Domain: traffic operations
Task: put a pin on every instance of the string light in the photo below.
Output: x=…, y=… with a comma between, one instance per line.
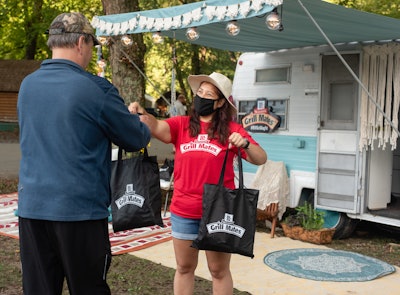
x=273, y=21
x=103, y=40
x=192, y=34
x=126, y=40
x=157, y=38
x=232, y=28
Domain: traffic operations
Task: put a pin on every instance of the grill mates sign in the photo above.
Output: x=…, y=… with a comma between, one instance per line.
x=261, y=119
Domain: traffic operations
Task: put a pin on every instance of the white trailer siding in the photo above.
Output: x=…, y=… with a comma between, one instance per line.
x=296, y=146
x=302, y=90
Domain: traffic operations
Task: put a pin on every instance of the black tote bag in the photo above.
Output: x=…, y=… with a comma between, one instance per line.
x=135, y=192
x=228, y=222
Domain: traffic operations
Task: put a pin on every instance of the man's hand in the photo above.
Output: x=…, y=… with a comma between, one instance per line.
x=136, y=108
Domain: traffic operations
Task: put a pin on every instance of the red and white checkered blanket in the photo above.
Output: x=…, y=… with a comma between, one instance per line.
x=121, y=242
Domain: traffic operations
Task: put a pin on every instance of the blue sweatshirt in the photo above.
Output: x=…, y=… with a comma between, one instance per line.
x=68, y=119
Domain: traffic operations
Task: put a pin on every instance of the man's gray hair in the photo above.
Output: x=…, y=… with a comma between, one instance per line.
x=66, y=40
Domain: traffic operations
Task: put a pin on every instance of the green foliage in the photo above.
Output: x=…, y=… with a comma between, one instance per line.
x=20, y=19
x=306, y=217
x=159, y=64
x=384, y=7
x=23, y=25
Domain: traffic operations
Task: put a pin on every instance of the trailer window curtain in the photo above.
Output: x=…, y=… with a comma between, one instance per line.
x=381, y=76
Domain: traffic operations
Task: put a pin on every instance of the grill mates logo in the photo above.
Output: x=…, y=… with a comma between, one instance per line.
x=201, y=144
x=226, y=225
x=129, y=198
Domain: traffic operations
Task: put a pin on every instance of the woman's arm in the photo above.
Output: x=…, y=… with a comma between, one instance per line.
x=158, y=128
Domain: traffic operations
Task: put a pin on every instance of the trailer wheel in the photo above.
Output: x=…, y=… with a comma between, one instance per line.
x=344, y=226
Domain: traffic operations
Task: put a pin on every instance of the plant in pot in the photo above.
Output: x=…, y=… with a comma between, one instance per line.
x=307, y=225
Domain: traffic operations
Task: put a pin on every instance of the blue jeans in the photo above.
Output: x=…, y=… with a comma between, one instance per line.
x=184, y=228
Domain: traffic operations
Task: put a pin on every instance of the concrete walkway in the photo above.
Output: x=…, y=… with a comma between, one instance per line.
x=10, y=157
x=253, y=276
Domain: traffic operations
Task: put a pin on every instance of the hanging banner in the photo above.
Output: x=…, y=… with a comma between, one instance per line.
x=261, y=119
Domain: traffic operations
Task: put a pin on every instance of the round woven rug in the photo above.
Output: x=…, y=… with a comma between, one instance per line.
x=328, y=265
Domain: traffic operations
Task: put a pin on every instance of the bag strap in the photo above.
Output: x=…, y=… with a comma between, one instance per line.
x=221, y=177
x=241, y=184
x=119, y=165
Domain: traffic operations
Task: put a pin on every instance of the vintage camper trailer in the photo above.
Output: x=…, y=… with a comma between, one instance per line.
x=328, y=125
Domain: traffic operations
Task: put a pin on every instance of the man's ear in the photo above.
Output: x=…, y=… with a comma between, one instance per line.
x=81, y=42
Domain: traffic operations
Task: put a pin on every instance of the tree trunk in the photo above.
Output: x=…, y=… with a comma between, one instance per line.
x=195, y=59
x=128, y=80
x=31, y=33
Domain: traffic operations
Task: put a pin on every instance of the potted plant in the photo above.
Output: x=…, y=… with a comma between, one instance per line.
x=307, y=225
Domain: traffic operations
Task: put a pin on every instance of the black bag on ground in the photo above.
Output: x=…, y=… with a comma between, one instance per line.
x=228, y=222
x=135, y=192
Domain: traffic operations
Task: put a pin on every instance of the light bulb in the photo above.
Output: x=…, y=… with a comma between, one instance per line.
x=126, y=40
x=273, y=21
x=192, y=34
x=157, y=38
x=232, y=28
x=103, y=40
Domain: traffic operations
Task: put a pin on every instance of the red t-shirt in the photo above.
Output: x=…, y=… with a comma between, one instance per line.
x=198, y=160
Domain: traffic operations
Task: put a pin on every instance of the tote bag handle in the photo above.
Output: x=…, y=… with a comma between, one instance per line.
x=119, y=160
x=221, y=177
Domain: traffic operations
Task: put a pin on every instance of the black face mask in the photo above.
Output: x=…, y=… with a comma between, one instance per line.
x=203, y=106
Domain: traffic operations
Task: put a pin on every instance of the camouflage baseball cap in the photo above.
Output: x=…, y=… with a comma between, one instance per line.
x=72, y=22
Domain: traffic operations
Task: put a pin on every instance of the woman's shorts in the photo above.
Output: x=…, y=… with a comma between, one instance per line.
x=184, y=228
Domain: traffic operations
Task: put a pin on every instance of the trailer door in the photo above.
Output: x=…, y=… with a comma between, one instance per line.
x=337, y=137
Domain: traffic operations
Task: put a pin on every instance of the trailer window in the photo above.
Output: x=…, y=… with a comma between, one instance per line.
x=339, y=93
x=276, y=75
x=341, y=102
x=277, y=106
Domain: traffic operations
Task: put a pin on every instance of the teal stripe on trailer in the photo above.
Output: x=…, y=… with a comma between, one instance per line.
x=297, y=152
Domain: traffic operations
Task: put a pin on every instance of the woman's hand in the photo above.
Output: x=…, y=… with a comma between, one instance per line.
x=238, y=140
x=255, y=154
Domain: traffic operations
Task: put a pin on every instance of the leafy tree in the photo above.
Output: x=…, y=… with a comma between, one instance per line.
x=384, y=7
x=23, y=25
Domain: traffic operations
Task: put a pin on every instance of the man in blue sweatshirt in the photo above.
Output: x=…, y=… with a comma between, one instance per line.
x=68, y=119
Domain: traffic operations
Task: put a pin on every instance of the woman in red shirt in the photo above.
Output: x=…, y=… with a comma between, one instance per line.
x=201, y=140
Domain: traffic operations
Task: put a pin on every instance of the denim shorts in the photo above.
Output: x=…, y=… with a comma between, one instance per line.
x=184, y=228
